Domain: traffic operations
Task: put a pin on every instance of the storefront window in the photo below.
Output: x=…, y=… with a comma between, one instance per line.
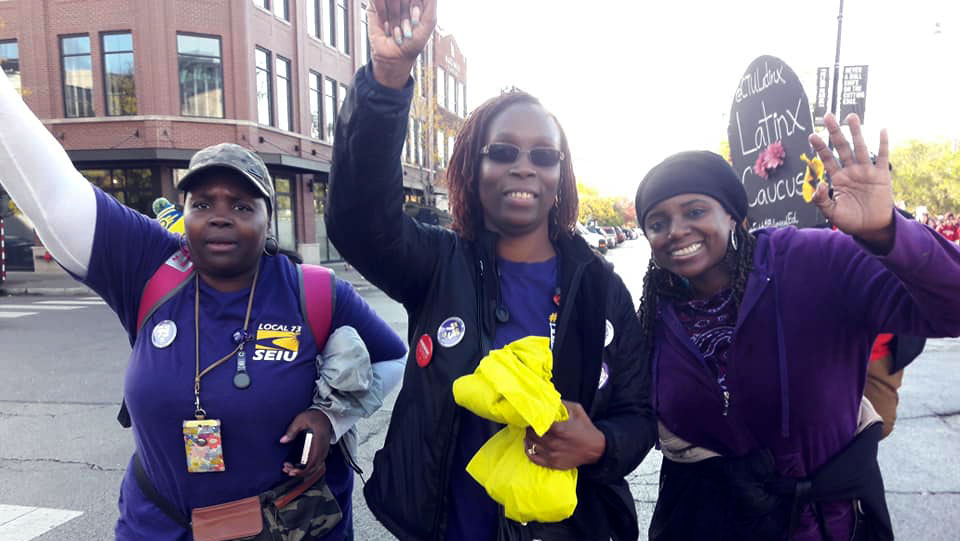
x=135, y=188
x=284, y=225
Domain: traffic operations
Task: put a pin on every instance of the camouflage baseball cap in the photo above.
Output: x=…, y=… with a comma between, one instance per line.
x=235, y=157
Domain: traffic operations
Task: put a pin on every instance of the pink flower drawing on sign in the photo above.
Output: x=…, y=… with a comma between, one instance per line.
x=769, y=159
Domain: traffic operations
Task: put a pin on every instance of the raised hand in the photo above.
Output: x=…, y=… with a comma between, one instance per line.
x=862, y=203
x=399, y=30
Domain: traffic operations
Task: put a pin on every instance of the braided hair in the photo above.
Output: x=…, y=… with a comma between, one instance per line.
x=660, y=283
x=463, y=171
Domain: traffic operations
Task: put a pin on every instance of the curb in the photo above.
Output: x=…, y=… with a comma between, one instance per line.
x=46, y=291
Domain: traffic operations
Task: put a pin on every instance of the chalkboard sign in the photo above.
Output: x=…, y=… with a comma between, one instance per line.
x=853, y=93
x=769, y=106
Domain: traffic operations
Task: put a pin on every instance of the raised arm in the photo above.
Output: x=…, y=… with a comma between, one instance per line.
x=41, y=179
x=364, y=214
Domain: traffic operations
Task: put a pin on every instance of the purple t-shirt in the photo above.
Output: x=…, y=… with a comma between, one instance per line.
x=158, y=389
x=527, y=291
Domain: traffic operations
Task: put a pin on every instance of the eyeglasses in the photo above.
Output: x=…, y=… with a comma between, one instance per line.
x=507, y=153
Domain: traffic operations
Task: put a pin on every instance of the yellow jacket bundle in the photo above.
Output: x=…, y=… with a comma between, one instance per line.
x=513, y=386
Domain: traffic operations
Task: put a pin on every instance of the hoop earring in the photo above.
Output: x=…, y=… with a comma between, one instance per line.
x=733, y=238
x=271, y=246
x=653, y=261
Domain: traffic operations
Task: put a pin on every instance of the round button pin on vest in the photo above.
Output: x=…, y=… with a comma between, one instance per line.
x=424, y=350
x=163, y=334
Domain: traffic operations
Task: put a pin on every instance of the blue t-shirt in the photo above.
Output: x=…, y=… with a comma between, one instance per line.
x=527, y=291
x=158, y=389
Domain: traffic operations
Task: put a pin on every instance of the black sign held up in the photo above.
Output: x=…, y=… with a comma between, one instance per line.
x=853, y=93
x=770, y=107
x=823, y=86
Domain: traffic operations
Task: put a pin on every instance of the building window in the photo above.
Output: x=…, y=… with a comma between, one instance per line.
x=10, y=62
x=455, y=87
x=418, y=141
x=201, y=76
x=364, y=34
x=342, y=95
x=451, y=141
x=281, y=8
x=313, y=18
x=284, y=98
x=328, y=22
x=441, y=87
x=343, y=26
x=329, y=106
x=262, y=4
x=316, y=98
x=77, y=76
x=408, y=145
x=135, y=188
x=264, y=89
x=120, y=89
x=284, y=225
x=463, y=100
x=327, y=250
x=438, y=142
x=451, y=93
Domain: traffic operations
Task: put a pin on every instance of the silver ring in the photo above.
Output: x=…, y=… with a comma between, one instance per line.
x=532, y=450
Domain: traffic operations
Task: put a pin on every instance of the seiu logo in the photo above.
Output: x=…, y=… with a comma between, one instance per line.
x=277, y=342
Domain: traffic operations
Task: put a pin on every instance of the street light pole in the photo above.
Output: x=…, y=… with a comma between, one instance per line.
x=836, y=70
x=836, y=62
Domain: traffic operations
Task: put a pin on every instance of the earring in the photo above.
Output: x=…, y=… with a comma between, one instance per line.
x=271, y=246
x=733, y=239
x=183, y=245
x=653, y=261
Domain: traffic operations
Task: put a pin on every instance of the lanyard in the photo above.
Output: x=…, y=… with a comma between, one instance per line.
x=199, y=412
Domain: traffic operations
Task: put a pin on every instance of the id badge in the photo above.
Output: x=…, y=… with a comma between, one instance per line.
x=204, y=446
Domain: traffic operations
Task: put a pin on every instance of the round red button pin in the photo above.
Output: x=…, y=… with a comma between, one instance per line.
x=424, y=350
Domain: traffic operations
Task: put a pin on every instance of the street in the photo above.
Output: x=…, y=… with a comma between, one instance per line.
x=62, y=453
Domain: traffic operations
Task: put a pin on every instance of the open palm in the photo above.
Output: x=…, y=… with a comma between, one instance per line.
x=862, y=202
x=399, y=31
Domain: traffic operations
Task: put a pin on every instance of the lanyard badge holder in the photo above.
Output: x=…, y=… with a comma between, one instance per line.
x=202, y=437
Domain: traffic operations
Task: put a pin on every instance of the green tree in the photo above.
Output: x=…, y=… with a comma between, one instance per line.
x=597, y=208
x=927, y=174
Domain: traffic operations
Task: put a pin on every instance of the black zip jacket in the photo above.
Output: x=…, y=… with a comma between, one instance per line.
x=436, y=274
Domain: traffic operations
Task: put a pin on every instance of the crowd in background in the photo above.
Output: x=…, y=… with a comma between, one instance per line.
x=946, y=225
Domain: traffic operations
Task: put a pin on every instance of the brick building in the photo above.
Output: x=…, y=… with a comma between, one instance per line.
x=132, y=88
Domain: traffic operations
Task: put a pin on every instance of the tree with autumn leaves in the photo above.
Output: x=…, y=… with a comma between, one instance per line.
x=605, y=210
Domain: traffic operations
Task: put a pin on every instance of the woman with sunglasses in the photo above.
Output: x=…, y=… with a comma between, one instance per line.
x=510, y=268
x=221, y=345
x=759, y=344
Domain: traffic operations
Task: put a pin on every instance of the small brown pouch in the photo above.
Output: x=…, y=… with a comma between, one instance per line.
x=232, y=520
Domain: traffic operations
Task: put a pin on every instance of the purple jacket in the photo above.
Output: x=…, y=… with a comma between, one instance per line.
x=813, y=305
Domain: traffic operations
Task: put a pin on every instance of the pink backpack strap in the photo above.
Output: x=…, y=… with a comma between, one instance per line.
x=317, y=284
x=168, y=279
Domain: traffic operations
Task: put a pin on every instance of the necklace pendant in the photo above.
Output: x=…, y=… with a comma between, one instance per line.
x=241, y=380
x=726, y=403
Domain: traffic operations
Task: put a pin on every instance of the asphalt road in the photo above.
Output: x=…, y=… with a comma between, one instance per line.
x=61, y=371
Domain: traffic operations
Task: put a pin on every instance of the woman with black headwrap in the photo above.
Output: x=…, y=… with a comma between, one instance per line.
x=759, y=344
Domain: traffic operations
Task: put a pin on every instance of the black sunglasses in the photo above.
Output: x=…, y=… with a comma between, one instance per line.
x=507, y=153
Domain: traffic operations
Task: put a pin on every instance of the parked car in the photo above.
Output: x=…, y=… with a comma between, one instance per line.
x=596, y=241
x=19, y=253
x=612, y=235
x=621, y=236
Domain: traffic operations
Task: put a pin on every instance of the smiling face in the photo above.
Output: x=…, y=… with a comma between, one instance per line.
x=688, y=235
x=226, y=225
x=517, y=197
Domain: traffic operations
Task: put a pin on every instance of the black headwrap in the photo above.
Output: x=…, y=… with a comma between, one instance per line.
x=696, y=171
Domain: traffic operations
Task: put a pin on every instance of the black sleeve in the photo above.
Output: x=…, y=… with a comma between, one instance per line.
x=628, y=422
x=364, y=213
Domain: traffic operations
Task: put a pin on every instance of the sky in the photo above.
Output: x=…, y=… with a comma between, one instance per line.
x=633, y=82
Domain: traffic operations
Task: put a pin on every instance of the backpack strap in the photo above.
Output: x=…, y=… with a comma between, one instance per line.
x=168, y=279
x=317, y=284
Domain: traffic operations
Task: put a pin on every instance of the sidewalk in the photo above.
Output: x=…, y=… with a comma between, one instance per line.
x=61, y=284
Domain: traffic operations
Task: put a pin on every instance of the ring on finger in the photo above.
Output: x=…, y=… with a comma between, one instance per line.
x=532, y=450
